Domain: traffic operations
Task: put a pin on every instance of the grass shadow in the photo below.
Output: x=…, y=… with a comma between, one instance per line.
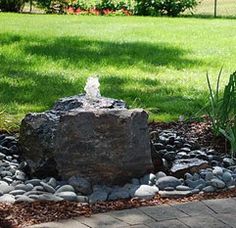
x=83, y=53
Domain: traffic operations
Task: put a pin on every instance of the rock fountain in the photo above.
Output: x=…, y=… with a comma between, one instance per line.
x=87, y=136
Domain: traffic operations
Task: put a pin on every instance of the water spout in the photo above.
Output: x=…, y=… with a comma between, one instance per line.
x=92, y=88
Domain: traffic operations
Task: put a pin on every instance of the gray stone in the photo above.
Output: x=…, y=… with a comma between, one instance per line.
x=209, y=189
x=227, y=177
x=98, y=196
x=183, y=188
x=217, y=183
x=228, y=162
x=34, y=182
x=174, y=194
x=25, y=187
x=168, y=181
x=106, y=142
x=17, y=192
x=69, y=196
x=118, y=193
x=47, y=187
x=6, y=188
x=146, y=192
x=209, y=176
x=82, y=199
x=38, y=188
x=19, y=175
x=49, y=197
x=81, y=185
x=65, y=188
x=7, y=198
x=52, y=182
x=194, y=184
x=160, y=174
x=23, y=198
x=148, y=179
x=218, y=171
x=191, y=165
x=169, y=189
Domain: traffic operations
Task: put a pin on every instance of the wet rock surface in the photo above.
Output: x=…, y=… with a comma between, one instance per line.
x=108, y=142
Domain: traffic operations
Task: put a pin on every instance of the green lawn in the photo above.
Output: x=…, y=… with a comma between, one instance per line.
x=155, y=63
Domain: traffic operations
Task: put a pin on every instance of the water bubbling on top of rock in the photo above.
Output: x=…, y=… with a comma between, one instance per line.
x=92, y=99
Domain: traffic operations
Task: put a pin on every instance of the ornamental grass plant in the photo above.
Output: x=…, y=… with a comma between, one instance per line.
x=222, y=110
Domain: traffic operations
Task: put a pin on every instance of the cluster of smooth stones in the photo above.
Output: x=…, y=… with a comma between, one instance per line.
x=220, y=174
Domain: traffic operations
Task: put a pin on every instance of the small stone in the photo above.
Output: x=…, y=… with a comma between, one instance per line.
x=98, y=196
x=228, y=162
x=196, y=176
x=195, y=191
x=65, y=188
x=80, y=185
x=188, y=176
x=170, y=156
x=227, y=177
x=8, y=179
x=34, y=182
x=209, y=176
x=19, y=175
x=215, y=182
x=170, y=147
x=52, y=182
x=118, y=193
x=160, y=174
x=185, y=149
x=2, y=155
x=174, y=194
x=25, y=187
x=169, y=189
x=82, y=199
x=17, y=192
x=38, y=188
x=209, y=189
x=148, y=178
x=218, y=171
x=47, y=187
x=6, y=188
x=7, y=198
x=146, y=192
x=69, y=196
x=194, y=184
x=49, y=197
x=23, y=198
x=183, y=188
x=168, y=181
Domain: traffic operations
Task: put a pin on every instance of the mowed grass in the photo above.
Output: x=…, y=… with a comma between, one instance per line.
x=159, y=64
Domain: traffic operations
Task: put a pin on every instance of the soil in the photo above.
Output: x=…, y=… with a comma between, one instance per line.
x=23, y=214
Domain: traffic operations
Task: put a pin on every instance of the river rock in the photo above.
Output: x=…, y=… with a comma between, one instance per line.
x=217, y=183
x=7, y=198
x=168, y=181
x=80, y=185
x=146, y=192
x=69, y=196
x=191, y=165
x=98, y=139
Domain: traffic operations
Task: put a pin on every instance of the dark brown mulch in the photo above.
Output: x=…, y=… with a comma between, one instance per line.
x=23, y=214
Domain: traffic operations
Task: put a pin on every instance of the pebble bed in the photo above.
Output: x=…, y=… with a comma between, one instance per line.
x=220, y=174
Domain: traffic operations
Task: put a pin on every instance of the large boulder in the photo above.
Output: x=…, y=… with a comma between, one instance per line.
x=97, y=139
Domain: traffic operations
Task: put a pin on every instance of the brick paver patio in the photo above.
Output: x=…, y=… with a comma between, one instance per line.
x=217, y=213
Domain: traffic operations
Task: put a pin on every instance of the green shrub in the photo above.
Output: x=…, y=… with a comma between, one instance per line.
x=222, y=110
x=53, y=6
x=11, y=5
x=163, y=7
